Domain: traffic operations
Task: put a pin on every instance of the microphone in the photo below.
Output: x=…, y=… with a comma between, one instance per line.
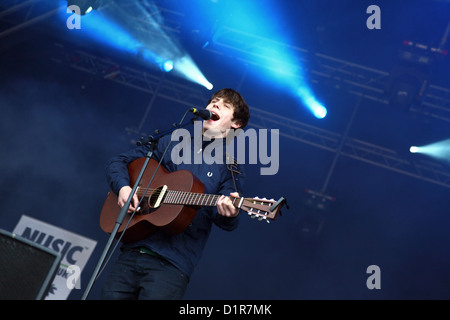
x=205, y=114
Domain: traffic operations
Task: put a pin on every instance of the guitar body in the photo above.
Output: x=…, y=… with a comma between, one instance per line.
x=171, y=218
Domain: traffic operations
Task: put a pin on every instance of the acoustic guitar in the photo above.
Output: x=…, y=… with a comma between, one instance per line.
x=171, y=202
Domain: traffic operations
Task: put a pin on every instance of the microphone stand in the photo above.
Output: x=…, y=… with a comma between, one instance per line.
x=151, y=141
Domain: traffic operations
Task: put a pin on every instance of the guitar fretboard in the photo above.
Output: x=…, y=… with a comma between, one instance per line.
x=190, y=198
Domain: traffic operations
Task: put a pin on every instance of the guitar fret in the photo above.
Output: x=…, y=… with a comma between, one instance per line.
x=197, y=198
x=166, y=198
x=186, y=197
x=208, y=199
x=203, y=198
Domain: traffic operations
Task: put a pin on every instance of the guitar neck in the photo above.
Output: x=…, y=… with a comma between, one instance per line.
x=254, y=206
x=195, y=199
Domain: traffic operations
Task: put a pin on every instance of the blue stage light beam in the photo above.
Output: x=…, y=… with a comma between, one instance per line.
x=187, y=68
x=258, y=34
x=167, y=65
x=439, y=150
x=308, y=99
x=115, y=28
x=164, y=64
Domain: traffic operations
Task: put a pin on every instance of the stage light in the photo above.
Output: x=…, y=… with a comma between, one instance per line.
x=405, y=90
x=439, y=150
x=251, y=35
x=187, y=69
x=167, y=66
x=318, y=110
x=148, y=56
x=308, y=99
x=414, y=149
x=117, y=29
x=408, y=80
x=85, y=6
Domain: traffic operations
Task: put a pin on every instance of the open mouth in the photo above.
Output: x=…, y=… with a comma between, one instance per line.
x=215, y=116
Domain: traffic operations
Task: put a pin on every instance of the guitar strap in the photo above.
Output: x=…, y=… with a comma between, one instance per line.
x=233, y=167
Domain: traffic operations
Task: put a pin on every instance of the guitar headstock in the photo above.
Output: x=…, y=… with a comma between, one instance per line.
x=263, y=209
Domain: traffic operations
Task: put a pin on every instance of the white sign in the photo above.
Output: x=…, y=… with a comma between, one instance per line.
x=74, y=249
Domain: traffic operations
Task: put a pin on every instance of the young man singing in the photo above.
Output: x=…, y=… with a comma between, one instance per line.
x=159, y=266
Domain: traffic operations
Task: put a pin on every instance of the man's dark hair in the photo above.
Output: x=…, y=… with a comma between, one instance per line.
x=241, y=111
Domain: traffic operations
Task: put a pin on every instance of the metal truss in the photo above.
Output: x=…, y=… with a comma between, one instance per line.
x=22, y=14
x=138, y=78
x=359, y=80
x=190, y=95
x=353, y=148
x=362, y=81
x=370, y=84
x=356, y=79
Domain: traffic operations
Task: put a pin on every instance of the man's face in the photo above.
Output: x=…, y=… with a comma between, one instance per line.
x=222, y=118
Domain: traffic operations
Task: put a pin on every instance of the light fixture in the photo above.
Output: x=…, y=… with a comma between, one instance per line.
x=85, y=6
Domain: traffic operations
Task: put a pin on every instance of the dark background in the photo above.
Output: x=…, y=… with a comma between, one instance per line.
x=60, y=125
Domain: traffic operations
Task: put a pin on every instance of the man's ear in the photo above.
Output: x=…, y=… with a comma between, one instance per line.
x=236, y=125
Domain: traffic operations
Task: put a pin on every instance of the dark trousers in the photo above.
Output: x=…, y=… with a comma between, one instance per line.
x=141, y=276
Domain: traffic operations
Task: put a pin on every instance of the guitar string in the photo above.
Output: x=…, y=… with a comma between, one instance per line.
x=187, y=193
x=193, y=198
x=181, y=197
x=177, y=196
